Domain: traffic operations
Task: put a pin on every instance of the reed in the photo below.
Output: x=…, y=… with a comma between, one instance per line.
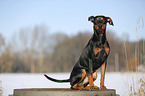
x=1, y=91
x=136, y=85
x=138, y=88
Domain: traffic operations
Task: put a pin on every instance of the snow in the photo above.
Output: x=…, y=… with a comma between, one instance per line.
x=119, y=81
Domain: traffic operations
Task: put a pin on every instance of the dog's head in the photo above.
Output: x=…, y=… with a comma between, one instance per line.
x=100, y=23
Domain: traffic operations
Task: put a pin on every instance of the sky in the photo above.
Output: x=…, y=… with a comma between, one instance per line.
x=71, y=16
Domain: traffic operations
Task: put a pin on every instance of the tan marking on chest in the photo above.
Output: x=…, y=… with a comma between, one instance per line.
x=107, y=50
x=97, y=50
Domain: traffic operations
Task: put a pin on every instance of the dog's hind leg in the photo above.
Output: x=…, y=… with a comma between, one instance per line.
x=79, y=85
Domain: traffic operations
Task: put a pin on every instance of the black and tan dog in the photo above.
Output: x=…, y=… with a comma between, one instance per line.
x=93, y=57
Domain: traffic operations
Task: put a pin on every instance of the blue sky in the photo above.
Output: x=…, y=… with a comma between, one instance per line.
x=70, y=17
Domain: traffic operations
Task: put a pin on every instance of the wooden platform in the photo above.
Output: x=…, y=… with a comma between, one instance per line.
x=62, y=92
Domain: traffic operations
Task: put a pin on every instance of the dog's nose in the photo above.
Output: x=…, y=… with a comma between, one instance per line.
x=99, y=25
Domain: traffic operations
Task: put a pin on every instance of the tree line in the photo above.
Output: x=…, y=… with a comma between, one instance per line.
x=37, y=50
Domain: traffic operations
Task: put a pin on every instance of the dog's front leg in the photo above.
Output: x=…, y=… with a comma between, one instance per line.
x=103, y=68
x=90, y=75
x=91, y=84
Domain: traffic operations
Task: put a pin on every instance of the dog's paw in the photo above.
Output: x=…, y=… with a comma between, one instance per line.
x=96, y=87
x=91, y=87
x=103, y=87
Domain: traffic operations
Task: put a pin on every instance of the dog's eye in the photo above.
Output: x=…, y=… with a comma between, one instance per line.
x=97, y=19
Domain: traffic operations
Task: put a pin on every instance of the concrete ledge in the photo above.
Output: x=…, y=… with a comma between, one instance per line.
x=62, y=92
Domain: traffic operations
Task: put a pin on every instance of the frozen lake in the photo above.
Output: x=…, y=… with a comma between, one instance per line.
x=119, y=81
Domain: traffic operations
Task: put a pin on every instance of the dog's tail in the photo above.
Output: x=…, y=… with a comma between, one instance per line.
x=55, y=80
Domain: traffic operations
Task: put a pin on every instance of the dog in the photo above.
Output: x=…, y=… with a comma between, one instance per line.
x=93, y=57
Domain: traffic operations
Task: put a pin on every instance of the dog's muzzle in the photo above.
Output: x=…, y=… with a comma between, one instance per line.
x=100, y=31
x=100, y=28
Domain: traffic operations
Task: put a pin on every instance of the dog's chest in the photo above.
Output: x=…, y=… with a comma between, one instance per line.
x=104, y=50
x=99, y=57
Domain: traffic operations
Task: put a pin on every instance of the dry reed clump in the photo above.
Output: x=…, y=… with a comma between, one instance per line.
x=1, y=91
x=140, y=91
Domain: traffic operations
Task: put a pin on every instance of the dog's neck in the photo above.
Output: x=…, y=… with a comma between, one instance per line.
x=99, y=38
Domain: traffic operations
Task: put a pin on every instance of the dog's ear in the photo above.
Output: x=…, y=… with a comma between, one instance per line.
x=110, y=21
x=91, y=18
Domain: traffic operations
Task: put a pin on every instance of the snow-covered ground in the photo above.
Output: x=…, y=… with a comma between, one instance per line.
x=119, y=81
